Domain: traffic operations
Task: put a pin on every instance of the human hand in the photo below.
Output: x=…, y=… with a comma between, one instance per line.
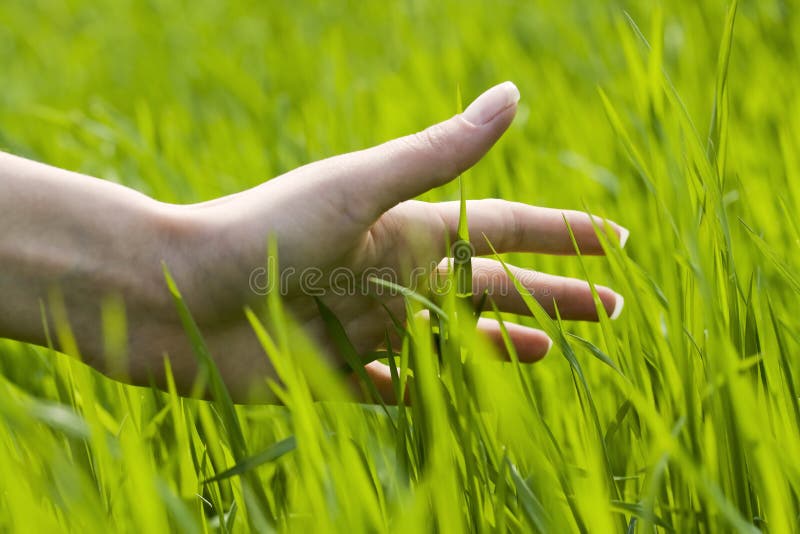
x=337, y=219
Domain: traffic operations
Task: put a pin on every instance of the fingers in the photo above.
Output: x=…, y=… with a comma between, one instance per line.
x=371, y=181
x=572, y=296
x=530, y=344
x=381, y=376
x=517, y=227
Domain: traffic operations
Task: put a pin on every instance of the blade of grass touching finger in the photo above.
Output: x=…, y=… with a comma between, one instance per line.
x=410, y=294
x=462, y=251
x=599, y=307
x=555, y=331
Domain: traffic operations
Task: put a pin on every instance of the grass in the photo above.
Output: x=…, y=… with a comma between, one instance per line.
x=680, y=120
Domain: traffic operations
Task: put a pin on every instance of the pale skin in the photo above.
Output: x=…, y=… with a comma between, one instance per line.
x=90, y=239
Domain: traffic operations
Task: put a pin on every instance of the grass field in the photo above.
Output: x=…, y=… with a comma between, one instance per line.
x=677, y=119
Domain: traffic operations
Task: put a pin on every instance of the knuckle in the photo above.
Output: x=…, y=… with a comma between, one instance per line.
x=514, y=229
x=528, y=279
x=435, y=138
x=443, y=145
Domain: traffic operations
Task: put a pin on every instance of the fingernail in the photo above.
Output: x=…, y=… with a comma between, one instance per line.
x=624, y=234
x=619, y=303
x=549, y=346
x=487, y=106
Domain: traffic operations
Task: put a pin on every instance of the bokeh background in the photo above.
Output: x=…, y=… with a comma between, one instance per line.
x=629, y=110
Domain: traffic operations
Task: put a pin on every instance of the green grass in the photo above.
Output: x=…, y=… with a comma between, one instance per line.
x=674, y=119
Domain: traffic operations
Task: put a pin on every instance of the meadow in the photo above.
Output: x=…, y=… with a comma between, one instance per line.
x=678, y=119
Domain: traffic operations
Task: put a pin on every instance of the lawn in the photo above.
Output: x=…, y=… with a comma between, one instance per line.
x=679, y=120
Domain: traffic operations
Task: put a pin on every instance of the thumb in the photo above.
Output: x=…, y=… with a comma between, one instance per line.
x=378, y=178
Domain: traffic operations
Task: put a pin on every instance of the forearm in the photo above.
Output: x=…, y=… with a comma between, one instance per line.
x=79, y=237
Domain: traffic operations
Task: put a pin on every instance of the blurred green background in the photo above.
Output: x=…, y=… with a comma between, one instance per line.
x=187, y=101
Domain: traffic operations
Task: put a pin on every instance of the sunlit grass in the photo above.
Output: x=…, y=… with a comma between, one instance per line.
x=680, y=121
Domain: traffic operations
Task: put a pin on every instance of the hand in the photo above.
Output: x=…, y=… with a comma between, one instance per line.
x=341, y=217
x=336, y=219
